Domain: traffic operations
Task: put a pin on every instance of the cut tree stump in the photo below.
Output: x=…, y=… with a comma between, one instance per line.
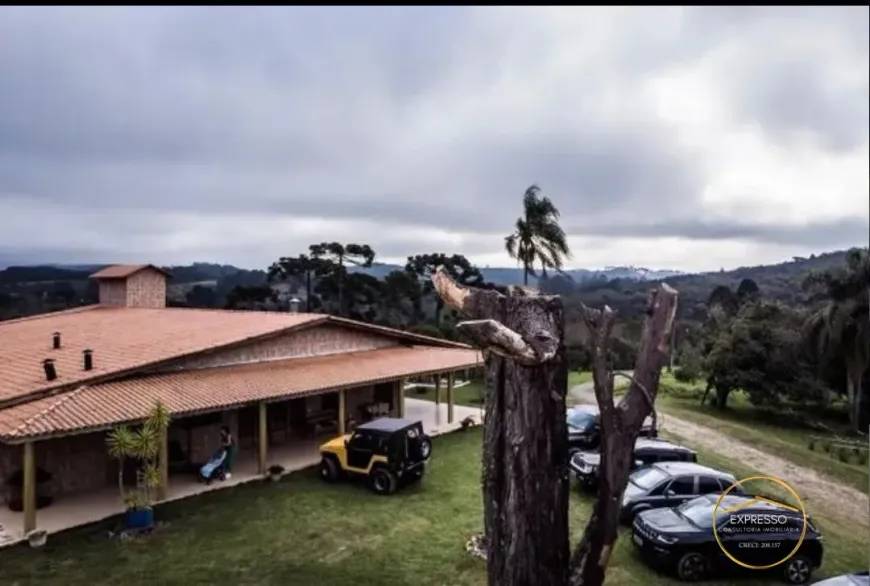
x=525, y=451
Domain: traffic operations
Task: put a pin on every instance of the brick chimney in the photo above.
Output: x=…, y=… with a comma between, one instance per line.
x=132, y=286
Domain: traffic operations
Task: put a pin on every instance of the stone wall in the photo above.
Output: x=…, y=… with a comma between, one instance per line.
x=356, y=397
x=200, y=437
x=315, y=341
x=146, y=288
x=76, y=463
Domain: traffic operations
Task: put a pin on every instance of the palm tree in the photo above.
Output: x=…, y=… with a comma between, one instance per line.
x=538, y=238
x=840, y=330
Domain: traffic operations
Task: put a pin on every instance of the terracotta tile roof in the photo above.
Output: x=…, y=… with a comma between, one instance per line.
x=122, y=339
x=123, y=271
x=189, y=392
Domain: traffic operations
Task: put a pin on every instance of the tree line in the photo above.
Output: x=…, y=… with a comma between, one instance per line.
x=804, y=357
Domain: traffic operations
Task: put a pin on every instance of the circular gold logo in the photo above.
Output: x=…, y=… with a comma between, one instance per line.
x=758, y=524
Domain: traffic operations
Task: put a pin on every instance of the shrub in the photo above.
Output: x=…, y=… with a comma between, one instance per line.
x=843, y=454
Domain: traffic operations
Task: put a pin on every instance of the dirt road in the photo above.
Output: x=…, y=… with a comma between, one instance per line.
x=836, y=500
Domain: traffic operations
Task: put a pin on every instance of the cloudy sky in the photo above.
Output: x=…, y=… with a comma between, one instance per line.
x=668, y=137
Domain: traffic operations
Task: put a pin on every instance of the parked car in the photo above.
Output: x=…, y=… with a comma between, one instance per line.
x=584, y=432
x=856, y=579
x=681, y=538
x=647, y=451
x=385, y=452
x=668, y=484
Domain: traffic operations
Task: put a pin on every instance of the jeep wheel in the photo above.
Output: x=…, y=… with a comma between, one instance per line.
x=383, y=482
x=797, y=570
x=424, y=448
x=691, y=567
x=329, y=469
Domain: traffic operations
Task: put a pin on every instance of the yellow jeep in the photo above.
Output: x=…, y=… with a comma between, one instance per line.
x=386, y=452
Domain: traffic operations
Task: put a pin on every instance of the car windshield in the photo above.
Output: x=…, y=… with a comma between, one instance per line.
x=580, y=419
x=698, y=512
x=648, y=478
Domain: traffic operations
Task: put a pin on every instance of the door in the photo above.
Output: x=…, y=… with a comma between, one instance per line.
x=681, y=489
x=360, y=449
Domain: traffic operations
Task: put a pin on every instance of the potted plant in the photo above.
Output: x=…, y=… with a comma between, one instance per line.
x=275, y=473
x=143, y=445
x=37, y=537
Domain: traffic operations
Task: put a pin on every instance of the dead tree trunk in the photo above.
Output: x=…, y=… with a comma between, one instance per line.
x=620, y=425
x=525, y=452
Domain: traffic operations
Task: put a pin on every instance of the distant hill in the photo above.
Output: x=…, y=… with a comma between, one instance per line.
x=26, y=290
x=514, y=275
x=780, y=281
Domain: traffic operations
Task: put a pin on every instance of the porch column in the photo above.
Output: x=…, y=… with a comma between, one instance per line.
x=342, y=412
x=400, y=398
x=263, y=443
x=437, y=392
x=163, y=463
x=29, y=492
x=451, y=376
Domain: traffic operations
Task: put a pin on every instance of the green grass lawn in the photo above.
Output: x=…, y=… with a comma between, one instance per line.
x=579, y=378
x=746, y=423
x=303, y=532
x=471, y=395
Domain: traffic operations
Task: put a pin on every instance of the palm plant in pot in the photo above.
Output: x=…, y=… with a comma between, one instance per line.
x=142, y=445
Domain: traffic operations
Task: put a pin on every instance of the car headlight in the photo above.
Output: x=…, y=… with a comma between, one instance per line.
x=666, y=539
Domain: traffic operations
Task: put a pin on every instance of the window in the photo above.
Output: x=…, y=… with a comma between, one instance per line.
x=683, y=485
x=582, y=420
x=363, y=441
x=699, y=512
x=708, y=485
x=648, y=478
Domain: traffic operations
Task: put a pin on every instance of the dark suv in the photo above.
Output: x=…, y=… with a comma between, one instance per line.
x=386, y=452
x=668, y=484
x=584, y=432
x=585, y=464
x=756, y=532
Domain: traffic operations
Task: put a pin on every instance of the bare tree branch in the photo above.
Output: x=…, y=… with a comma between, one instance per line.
x=495, y=337
x=646, y=394
x=471, y=302
x=600, y=322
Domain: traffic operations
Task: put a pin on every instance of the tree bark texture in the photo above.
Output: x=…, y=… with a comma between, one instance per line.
x=525, y=452
x=620, y=425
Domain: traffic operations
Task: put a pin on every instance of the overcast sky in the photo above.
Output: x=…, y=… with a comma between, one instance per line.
x=686, y=138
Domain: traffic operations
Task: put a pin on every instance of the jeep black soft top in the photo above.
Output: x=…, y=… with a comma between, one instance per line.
x=388, y=425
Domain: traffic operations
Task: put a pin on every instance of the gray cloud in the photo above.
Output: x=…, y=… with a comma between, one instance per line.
x=122, y=119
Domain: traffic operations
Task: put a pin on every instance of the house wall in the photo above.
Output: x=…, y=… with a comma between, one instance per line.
x=315, y=341
x=146, y=288
x=113, y=292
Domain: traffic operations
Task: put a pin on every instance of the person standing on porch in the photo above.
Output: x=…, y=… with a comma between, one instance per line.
x=229, y=445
